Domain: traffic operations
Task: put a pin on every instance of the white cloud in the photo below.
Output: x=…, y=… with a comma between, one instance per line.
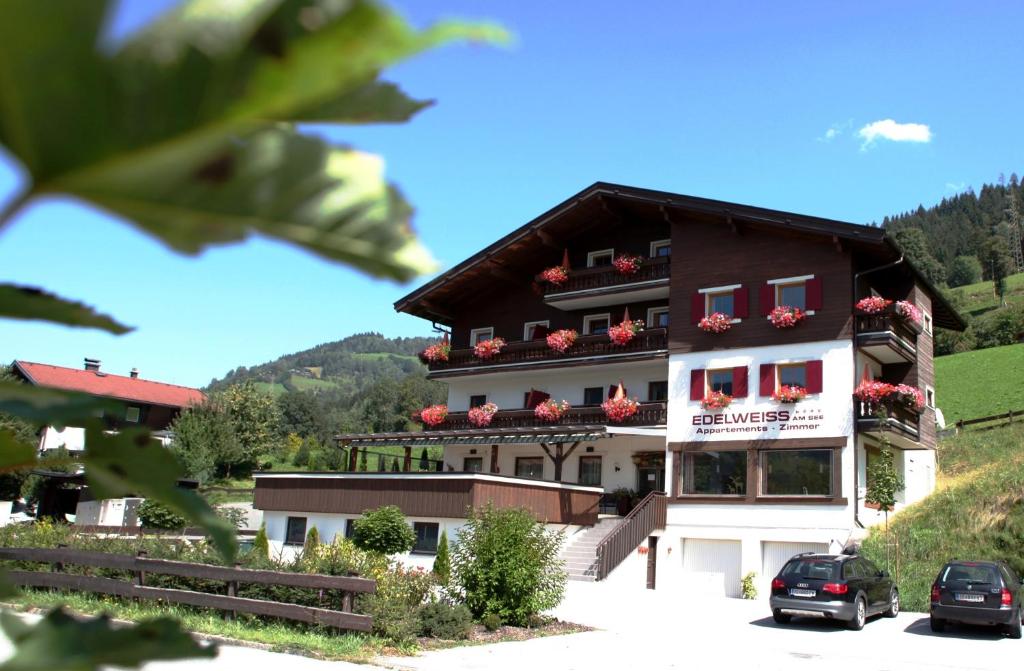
x=887, y=129
x=835, y=130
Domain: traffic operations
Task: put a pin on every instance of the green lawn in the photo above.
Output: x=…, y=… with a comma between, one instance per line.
x=383, y=355
x=980, y=383
x=980, y=297
x=976, y=512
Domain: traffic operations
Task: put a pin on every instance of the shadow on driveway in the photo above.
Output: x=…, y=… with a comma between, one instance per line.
x=805, y=623
x=922, y=627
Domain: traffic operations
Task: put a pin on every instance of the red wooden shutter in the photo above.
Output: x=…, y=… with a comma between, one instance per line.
x=741, y=303
x=814, y=381
x=813, y=297
x=697, y=384
x=739, y=382
x=697, y=308
x=767, y=299
x=767, y=379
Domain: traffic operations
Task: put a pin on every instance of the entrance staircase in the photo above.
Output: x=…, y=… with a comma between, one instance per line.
x=580, y=555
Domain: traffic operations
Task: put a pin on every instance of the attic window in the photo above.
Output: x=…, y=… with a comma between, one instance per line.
x=602, y=257
x=131, y=414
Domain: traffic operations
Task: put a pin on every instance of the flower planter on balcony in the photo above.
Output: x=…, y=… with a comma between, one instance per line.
x=588, y=287
x=887, y=336
x=648, y=414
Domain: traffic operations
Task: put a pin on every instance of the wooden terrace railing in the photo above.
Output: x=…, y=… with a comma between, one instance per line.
x=606, y=277
x=537, y=351
x=888, y=322
x=140, y=566
x=899, y=417
x=649, y=414
x=650, y=514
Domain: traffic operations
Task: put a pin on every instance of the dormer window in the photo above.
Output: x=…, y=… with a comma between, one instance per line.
x=477, y=335
x=599, y=258
x=660, y=248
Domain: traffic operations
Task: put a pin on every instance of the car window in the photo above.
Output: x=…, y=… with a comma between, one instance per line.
x=870, y=570
x=974, y=574
x=819, y=569
x=851, y=570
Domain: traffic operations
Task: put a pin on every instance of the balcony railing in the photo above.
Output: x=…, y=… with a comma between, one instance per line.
x=537, y=351
x=887, y=330
x=898, y=417
x=606, y=277
x=649, y=414
x=649, y=514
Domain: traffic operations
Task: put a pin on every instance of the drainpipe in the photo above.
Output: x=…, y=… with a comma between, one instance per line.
x=856, y=461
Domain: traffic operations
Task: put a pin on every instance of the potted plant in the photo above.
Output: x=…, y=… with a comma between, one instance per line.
x=627, y=264
x=873, y=305
x=485, y=349
x=625, y=331
x=556, y=275
x=619, y=409
x=551, y=410
x=482, y=415
x=562, y=339
x=625, y=500
x=715, y=400
x=784, y=316
x=436, y=352
x=434, y=415
x=789, y=394
x=909, y=313
x=716, y=322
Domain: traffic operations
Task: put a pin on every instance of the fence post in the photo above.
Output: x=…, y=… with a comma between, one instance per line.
x=140, y=575
x=232, y=591
x=346, y=602
x=57, y=567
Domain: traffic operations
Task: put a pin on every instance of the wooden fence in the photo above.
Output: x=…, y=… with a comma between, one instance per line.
x=141, y=565
x=650, y=514
x=990, y=422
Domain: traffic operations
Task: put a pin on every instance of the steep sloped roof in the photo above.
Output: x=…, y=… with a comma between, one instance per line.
x=118, y=387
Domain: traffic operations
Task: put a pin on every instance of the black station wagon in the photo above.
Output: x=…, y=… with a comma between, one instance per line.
x=836, y=587
x=977, y=592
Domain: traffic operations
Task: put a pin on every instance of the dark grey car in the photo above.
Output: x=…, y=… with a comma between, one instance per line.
x=977, y=592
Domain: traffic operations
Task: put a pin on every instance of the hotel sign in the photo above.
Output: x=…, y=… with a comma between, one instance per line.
x=747, y=423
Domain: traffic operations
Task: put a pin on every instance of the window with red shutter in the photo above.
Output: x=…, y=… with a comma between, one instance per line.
x=697, y=384
x=766, y=300
x=814, y=377
x=767, y=374
x=697, y=307
x=739, y=382
x=741, y=302
x=814, y=296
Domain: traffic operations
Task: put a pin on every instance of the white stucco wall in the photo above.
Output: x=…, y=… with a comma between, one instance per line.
x=70, y=438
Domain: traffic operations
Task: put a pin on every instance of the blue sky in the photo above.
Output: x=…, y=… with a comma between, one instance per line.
x=844, y=110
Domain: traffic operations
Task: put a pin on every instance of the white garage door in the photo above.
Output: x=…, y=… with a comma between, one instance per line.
x=711, y=566
x=775, y=554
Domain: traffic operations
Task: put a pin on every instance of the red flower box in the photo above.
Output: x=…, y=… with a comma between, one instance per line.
x=562, y=339
x=875, y=392
x=715, y=400
x=438, y=352
x=482, y=415
x=716, y=322
x=556, y=275
x=620, y=409
x=784, y=317
x=873, y=305
x=626, y=331
x=909, y=312
x=627, y=265
x=551, y=410
x=434, y=414
x=789, y=394
x=485, y=349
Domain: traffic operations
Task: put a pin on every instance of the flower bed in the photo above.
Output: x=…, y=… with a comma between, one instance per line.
x=873, y=305
x=485, y=349
x=784, y=317
x=789, y=394
x=482, y=415
x=437, y=352
x=716, y=322
x=875, y=392
x=551, y=410
x=909, y=312
x=715, y=400
x=627, y=265
x=620, y=409
x=562, y=339
x=434, y=414
x=626, y=331
x=556, y=275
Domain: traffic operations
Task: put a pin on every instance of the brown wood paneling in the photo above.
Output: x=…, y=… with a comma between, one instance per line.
x=709, y=254
x=548, y=504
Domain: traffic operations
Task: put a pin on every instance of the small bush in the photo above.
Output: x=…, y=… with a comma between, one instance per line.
x=155, y=515
x=506, y=564
x=536, y=621
x=441, y=620
x=236, y=516
x=491, y=621
x=312, y=540
x=748, y=586
x=383, y=530
x=442, y=561
x=261, y=544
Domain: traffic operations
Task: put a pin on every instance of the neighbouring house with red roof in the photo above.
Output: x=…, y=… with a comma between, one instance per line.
x=146, y=402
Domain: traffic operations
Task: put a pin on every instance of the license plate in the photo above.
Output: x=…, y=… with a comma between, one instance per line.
x=972, y=598
x=802, y=592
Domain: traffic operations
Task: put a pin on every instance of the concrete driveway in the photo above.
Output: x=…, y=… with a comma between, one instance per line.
x=656, y=631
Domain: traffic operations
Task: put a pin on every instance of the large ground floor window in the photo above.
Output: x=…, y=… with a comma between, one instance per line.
x=716, y=473
x=530, y=467
x=797, y=473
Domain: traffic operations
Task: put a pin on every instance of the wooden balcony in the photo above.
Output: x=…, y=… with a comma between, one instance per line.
x=887, y=337
x=903, y=423
x=649, y=414
x=593, y=287
x=419, y=495
x=533, y=354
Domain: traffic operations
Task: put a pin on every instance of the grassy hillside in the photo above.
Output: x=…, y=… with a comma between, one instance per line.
x=975, y=299
x=976, y=512
x=980, y=383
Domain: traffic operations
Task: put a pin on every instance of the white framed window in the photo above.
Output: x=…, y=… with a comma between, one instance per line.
x=476, y=335
x=600, y=257
x=791, y=375
x=926, y=321
x=131, y=414
x=792, y=291
x=721, y=299
x=597, y=324
x=657, y=318
x=661, y=248
x=929, y=396
x=529, y=326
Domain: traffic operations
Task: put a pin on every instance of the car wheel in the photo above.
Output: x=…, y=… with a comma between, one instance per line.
x=857, y=623
x=1014, y=630
x=781, y=617
x=937, y=623
x=894, y=604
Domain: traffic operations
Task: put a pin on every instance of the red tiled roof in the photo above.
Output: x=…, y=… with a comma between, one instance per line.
x=119, y=387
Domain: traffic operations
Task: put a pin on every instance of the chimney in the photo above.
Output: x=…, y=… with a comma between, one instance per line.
x=92, y=364
x=135, y=373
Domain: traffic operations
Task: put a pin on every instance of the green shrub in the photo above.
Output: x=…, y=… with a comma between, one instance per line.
x=383, y=530
x=442, y=620
x=261, y=544
x=312, y=540
x=748, y=586
x=442, y=560
x=237, y=516
x=505, y=563
x=491, y=621
x=155, y=515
